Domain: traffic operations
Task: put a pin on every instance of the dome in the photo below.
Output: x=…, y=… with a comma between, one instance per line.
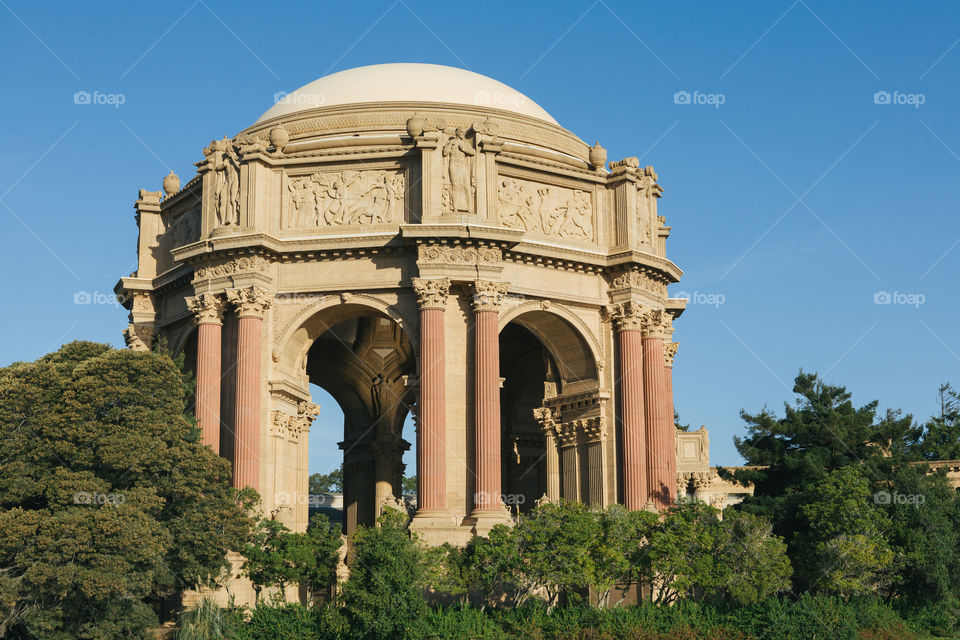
x=405, y=82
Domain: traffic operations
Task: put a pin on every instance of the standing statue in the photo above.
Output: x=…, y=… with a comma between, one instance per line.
x=457, y=152
x=226, y=164
x=376, y=393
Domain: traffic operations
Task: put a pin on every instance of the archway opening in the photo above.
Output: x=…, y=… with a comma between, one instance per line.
x=360, y=371
x=544, y=362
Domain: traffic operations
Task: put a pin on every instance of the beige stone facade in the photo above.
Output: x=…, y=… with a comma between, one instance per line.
x=467, y=260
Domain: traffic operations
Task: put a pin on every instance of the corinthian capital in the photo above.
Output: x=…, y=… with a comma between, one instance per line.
x=432, y=293
x=139, y=337
x=669, y=353
x=249, y=301
x=658, y=324
x=207, y=308
x=629, y=316
x=487, y=296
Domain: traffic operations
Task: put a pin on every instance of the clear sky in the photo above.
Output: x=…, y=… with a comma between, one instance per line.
x=810, y=166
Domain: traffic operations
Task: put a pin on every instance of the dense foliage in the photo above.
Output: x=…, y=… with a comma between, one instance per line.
x=109, y=506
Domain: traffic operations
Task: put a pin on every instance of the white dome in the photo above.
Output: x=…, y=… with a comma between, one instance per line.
x=405, y=82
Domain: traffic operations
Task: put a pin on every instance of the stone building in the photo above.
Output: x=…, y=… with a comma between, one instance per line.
x=418, y=238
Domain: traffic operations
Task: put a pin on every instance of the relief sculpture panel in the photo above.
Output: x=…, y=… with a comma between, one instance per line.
x=334, y=199
x=551, y=210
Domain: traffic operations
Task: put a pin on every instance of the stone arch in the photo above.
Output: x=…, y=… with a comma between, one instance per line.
x=569, y=340
x=359, y=349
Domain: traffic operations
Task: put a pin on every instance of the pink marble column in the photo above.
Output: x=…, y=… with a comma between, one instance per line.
x=486, y=304
x=661, y=440
x=628, y=319
x=431, y=435
x=208, y=309
x=250, y=303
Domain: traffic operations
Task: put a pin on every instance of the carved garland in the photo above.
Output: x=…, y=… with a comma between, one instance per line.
x=458, y=255
x=244, y=264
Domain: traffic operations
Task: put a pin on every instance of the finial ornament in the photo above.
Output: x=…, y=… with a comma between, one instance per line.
x=171, y=184
x=598, y=156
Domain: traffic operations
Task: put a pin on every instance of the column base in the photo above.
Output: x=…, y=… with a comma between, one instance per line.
x=482, y=521
x=436, y=526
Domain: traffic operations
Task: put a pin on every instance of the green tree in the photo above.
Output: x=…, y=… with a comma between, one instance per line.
x=682, y=554
x=844, y=543
x=327, y=482
x=753, y=562
x=277, y=557
x=939, y=437
x=823, y=432
x=389, y=571
x=109, y=504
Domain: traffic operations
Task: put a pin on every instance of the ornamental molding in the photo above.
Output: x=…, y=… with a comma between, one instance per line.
x=290, y=426
x=139, y=337
x=432, y=292
x=645, y=280
x=232, y=267
x=488, y=296
x=206, y=307
x=459, y=255
x=249, y=301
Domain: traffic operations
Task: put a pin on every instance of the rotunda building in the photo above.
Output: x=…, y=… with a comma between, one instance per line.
x=419, y=239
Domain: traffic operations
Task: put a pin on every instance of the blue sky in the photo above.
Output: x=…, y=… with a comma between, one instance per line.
x=813, y=168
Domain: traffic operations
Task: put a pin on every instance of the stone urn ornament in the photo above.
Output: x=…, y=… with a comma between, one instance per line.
x=171, y=184
x=416, y=125
x=598, y=156
x=279, y=137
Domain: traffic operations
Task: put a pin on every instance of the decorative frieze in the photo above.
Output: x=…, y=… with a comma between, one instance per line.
x=553, y=211
x=206, y=307
x=487, y=296
x=459, y=255
x=432, y=292
x=335, y=199
x=249, y=301
x=640, y=279
x=235, y=266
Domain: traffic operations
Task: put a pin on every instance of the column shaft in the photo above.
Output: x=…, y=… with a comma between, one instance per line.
x=208, y=383
x=246, y=457
x=431, y=437
x=661, y=447
x=487, y=352
x=553, y=467
x=630, y=347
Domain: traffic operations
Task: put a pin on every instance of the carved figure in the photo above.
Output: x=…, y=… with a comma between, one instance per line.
x=457, y=152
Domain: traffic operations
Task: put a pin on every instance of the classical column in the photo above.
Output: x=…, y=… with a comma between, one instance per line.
x=628, y=322
x=250, y=304
x=661, y=439
x=208, y=313
x=547, y=421
x=431, y=436
x=486, y=304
